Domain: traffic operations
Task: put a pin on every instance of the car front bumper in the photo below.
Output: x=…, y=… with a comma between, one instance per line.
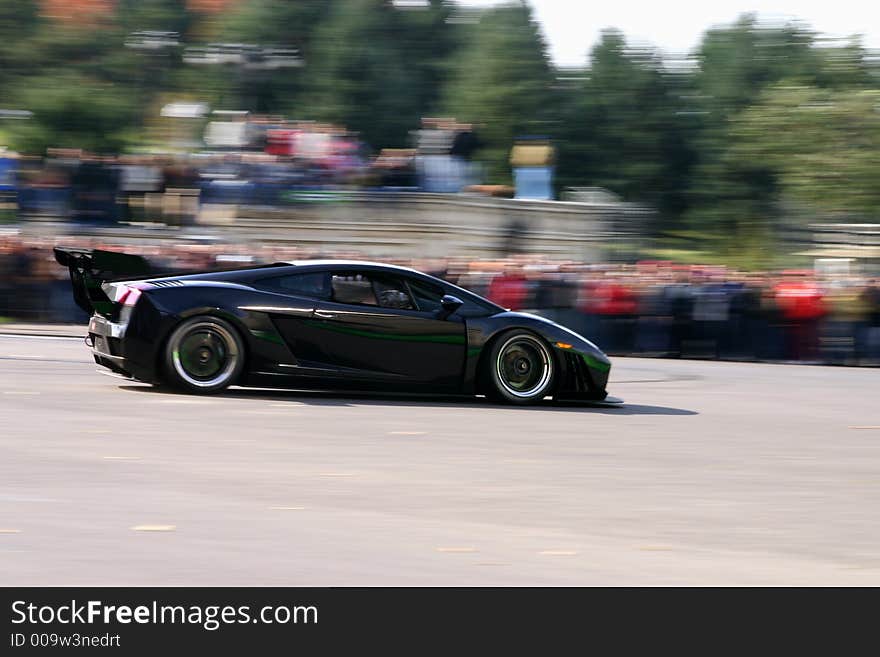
x=585, y=375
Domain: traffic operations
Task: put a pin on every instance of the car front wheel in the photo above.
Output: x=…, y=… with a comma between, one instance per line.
x=521, y=368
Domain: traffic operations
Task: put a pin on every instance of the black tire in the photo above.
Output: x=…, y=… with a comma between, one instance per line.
x=520, y=368
x=204, y=355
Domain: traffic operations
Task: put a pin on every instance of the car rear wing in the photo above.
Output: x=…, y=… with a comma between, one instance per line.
x=90, y=268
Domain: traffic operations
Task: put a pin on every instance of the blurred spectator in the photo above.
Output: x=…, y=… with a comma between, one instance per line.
x=394, y=168
x=509, y=289
x=841, y=327
x=464, y=145
x=181, y=202
x=95, y=184
x=434, y=162
x=532, y=159
x=614, y=301
x=140, y=176
x=679, y=301
x=870, y=339
x=711, y=309
x=802, y=305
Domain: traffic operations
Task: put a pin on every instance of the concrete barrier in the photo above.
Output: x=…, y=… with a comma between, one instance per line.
x=405, y=224
x=415, y=224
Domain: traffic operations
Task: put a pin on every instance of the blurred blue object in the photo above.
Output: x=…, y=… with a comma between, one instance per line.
x=534, y=183
x=8, y=169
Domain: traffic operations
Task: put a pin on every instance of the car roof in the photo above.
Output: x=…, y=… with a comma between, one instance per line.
x=352, y=263
x=251, y=274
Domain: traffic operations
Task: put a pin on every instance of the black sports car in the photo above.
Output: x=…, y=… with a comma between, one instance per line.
x=323, y=324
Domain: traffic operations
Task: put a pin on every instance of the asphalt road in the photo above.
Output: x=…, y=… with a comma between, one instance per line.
x=712, y=473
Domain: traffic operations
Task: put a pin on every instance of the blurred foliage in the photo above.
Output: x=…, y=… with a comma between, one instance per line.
x=275, y=22
x=836, y=168
x=73, y=111
x=622, y=129
x=271, y=23
x=736, y=195
x=19, y=21
x=502, y=81
x=158, y=15
x=760, y=126
x=375, y=69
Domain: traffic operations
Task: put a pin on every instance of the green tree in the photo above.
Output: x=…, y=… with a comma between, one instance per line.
x=366, y=70
x=19, y=20
x=155, y=15
x=822, y=143
x=622, y=130
x=502, y=81
x=73, y=111
x=732, y=200
x=289, y=24
x=735, y=63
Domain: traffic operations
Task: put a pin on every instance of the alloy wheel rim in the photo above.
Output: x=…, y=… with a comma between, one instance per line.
x=523, y=366
x=205, y=355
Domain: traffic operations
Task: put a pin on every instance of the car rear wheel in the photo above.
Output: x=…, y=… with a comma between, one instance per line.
x=520, y=368
x=204, y=355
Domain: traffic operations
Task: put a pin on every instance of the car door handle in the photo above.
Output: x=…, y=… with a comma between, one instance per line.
x=325, y=314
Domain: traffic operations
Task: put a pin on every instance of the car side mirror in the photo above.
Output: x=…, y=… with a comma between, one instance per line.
x=449, y=305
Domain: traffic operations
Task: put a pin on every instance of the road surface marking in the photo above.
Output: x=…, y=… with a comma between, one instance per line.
x=4, y=530
x=336, y=474
x=655, y=548
x=407, y=433
x=558, y=553
x=19, y=392
x=453, y=549
x=154, y=528
x=121, y=458
x=287, y=508
x=865, y=427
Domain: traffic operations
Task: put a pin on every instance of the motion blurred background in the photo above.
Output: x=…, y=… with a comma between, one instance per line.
x=719, y=203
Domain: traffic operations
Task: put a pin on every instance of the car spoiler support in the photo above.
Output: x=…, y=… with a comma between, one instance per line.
x=90, y=268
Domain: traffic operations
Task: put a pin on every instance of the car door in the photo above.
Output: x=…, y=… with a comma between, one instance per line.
x=374, y=329
x=292, y=313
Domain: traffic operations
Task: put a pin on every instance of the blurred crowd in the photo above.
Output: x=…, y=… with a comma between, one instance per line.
x=94, y=189
x=262, y=161
x=650, y=308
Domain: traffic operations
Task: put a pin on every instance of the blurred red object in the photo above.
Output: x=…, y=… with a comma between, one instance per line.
x=280, y=141
x=508, y=290
x=78, y=12
x=614, y=299
x=799, y=300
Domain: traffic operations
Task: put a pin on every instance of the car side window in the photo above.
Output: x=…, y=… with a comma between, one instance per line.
x=312, y=284
x=353, y=288
x=426, y=296
x=392, y=293
x=370, y=290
